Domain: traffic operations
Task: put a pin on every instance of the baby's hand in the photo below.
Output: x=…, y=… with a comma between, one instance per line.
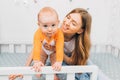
x=57, y=66
x=37, y=66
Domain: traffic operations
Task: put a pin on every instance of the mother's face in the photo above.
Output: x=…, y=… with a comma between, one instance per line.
x=72, y=23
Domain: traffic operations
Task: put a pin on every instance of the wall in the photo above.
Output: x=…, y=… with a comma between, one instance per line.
x=18, y=18
x=114, y=22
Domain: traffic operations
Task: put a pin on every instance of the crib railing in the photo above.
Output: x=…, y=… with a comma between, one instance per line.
x=69, y=70
x=25, y=47
x=15, y=47
x=106, y=48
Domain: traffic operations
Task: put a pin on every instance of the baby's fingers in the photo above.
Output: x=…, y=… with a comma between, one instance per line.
x=12, y=77
x=56, y=68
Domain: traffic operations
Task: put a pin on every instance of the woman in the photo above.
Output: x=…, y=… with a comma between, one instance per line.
x=76, y=28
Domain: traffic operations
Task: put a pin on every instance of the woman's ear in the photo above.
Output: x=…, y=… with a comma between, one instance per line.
x=80, y=31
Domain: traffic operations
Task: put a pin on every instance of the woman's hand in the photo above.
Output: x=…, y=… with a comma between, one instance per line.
x=57, y=66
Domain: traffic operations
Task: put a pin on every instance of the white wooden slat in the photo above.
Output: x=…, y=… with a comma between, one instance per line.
x=15, y=42
x=113, y=49
x=3, y=78
x=48, y=70
x=11, y=48
x=28, y=48
x=50, y=77
x=71, y=76
x=116, y=52
x=28, y=77
x=119, y=54
x=0, y=48
x=94, y=48
x=108, y=48
x=4, y=48
x=23, y=48
x=98, y=49
x=93, y=75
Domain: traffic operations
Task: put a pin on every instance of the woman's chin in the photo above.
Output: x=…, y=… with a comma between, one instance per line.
x=65, y=30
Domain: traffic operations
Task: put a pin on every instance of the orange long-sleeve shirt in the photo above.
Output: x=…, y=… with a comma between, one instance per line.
x=39, y=37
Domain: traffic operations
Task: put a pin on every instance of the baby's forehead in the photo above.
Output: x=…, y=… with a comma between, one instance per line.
x=48, y=10
x=47, y=13
x=48, y=18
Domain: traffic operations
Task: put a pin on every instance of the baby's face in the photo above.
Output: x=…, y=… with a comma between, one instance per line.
x=48, y=24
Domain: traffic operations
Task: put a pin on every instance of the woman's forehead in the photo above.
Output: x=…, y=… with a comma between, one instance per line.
x=76, y=17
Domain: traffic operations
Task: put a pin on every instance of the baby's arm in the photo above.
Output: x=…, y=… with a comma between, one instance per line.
x=37, y=66
x=37, y=47
x=56, y=65
x=59, y=51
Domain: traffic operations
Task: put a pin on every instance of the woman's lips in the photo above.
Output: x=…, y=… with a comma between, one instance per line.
x=64, y=28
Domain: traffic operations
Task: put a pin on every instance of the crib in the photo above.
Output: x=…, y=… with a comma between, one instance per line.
x=14, y=54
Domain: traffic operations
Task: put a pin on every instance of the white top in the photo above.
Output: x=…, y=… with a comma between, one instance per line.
x=69, y=46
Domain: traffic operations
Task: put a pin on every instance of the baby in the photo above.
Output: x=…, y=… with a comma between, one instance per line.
x=48, y=40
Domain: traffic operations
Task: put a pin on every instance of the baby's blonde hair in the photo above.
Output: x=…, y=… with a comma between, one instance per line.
x=47, y=10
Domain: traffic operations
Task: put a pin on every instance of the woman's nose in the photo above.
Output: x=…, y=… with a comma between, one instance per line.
x=67, y=22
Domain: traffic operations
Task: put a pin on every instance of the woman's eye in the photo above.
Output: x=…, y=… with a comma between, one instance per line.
x=73, y=24
x=53, y=25
x=68, y=17
x=45, y=25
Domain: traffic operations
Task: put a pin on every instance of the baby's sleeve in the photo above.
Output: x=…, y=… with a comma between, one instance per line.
x=59, y=46
x=37, y=45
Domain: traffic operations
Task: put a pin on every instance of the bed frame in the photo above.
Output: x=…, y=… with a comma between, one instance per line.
x=21, y=47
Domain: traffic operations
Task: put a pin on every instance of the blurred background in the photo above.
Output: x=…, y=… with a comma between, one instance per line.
x=18, y=18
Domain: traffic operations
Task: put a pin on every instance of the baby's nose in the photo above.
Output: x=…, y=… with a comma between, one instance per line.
x=49, y=29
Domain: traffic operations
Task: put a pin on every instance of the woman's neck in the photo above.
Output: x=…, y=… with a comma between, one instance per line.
x=68, y=37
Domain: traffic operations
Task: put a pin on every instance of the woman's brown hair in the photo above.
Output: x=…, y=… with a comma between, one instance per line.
x=82, y=41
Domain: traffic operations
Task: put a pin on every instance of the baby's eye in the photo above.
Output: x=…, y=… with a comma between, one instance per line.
x=53, y=25
x=45, y=25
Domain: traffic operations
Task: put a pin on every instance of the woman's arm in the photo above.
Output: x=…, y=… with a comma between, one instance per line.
x=29, y=59
x=67, y=59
